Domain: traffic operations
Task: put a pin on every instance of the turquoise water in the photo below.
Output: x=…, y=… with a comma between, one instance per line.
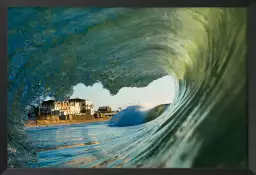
x=52, y=49
x=59, y=146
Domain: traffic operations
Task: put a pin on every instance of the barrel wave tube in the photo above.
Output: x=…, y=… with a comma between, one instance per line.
x=50, y=50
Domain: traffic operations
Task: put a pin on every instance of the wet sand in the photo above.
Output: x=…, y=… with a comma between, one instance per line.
x=59, y=122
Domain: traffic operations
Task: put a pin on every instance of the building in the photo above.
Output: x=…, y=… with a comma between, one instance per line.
x=81, y=106
x=104, y=109
x=98, y=115
x=52, y=109
x=87, y=108
x=46, y=111
x=46, y=108
x=64, y=109
x=75, y=105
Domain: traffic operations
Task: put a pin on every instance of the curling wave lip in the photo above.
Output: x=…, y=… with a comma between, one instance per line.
x=202, y=48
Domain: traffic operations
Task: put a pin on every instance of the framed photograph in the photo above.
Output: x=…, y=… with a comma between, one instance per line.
x=127, y=87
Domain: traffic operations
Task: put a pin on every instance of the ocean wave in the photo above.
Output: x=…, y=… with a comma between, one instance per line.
x=52, y=49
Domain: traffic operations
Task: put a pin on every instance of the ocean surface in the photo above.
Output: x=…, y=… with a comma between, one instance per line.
x=75, y=145
x=50, y=50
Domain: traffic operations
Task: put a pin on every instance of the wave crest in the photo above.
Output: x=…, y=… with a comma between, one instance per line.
x=202, y=48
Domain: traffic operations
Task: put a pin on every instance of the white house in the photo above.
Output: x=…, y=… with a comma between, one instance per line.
x=62, y=107
x=88, y=107
x=81, y=106
x=74, y=108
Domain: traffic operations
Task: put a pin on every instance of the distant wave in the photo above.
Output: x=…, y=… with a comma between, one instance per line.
x=135, y=115
x=132, y=115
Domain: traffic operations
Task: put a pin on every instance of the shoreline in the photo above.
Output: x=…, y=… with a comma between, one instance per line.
x=29, y=125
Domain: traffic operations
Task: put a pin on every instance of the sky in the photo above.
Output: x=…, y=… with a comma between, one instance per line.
x=160, y=91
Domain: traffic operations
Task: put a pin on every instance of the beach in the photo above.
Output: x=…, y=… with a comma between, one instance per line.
x=63, y=122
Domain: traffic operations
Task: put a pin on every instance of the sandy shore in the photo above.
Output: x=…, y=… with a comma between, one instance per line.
x=52, y=123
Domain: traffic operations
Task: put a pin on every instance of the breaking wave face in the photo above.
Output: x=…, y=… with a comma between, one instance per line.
x=204, y=49
x=132, y=115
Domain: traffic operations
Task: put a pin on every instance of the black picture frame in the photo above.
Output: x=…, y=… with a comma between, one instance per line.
x=4, y=4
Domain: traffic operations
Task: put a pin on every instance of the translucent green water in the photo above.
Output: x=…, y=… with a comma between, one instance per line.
x=50, y=50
